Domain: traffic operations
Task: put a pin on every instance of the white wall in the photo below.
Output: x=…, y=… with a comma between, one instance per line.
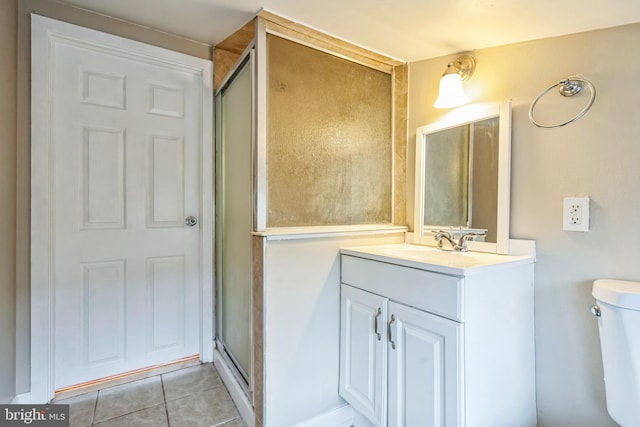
x=597, y=156
x=15, y=156
x=302, y=326
x=8, y=26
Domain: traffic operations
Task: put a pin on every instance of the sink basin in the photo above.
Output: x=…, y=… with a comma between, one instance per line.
x=428, y=254
x=434, y=259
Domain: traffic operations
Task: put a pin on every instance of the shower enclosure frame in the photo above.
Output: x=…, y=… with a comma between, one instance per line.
x=243, y=375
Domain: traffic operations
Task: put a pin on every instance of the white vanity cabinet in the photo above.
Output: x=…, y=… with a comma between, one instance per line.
x=425, y=344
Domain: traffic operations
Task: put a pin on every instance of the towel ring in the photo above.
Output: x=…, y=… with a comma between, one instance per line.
x=567, y=87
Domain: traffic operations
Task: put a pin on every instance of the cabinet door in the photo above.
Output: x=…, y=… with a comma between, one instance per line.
x=363, y=356
x=424, y=374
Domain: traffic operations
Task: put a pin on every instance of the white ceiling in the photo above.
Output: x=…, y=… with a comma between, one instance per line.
x=403, y=29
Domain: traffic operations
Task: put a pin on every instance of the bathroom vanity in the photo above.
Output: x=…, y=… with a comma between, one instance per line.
x=436, y=338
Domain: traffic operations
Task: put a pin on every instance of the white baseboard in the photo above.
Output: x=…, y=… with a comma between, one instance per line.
x=235, y=390
x=361, y=421
x=30, y=398
x=339, y=417
x=24, y=399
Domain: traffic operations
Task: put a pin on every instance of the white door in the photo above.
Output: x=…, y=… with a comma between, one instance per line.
x=125, y=172
x=424, y=369
x=363, y=352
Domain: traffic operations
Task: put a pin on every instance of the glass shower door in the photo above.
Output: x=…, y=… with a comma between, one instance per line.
x=234, y=219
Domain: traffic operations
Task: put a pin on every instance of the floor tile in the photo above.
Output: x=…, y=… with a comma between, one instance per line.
x=81, y=409
x=155, y=416
x=127, y=398
x=207, y=408
x=189, y=381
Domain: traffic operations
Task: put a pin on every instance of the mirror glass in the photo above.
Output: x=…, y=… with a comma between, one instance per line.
x=462, y=177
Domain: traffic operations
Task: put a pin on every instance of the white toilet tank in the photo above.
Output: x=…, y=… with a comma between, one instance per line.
x=618, y=308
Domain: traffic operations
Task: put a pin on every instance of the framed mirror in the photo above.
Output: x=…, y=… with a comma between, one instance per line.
x=463, y=177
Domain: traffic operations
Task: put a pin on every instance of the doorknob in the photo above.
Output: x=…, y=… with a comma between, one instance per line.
x=191, y=221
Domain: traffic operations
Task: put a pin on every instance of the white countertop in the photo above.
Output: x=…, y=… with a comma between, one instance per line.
x=437, y=260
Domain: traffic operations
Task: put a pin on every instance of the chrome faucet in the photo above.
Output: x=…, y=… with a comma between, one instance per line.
x=441, y=236
x=460, y=245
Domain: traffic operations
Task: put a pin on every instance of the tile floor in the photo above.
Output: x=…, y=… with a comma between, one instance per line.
x=190, y=397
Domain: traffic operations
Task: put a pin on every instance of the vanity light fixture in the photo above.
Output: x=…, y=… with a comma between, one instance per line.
x=451, y=93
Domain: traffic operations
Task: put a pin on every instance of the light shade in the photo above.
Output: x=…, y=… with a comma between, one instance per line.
x=451, y=93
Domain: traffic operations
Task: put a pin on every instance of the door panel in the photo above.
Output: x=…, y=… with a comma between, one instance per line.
x=424, y=369
x=363, y=352
x=166, y=181
x=102, y=179
x=103, y=287
x=166, y=296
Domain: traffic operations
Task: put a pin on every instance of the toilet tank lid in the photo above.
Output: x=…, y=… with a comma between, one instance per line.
x=620, y=293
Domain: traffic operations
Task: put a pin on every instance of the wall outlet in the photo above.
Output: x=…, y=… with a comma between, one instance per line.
x=575, y=214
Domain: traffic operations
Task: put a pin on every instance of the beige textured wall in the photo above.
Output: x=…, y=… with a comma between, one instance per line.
x=330, y=124
x=18, y=158
x=8, y=10
x=596, y=156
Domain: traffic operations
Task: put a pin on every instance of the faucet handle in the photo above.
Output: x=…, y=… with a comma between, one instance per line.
x=440, y=236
